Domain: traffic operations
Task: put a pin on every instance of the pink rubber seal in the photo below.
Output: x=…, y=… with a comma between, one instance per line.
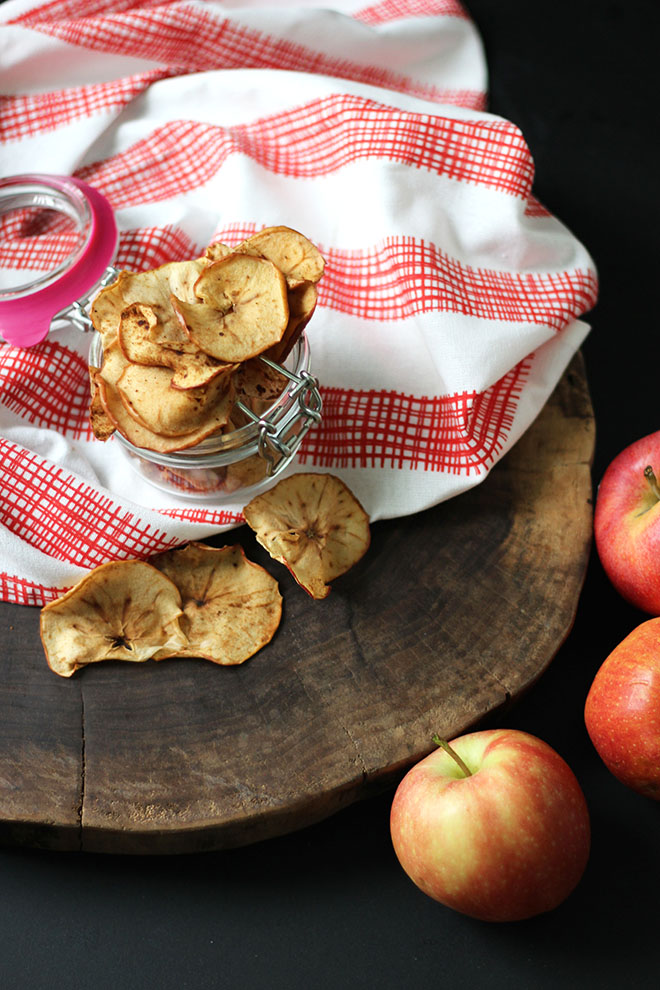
x=27, y=311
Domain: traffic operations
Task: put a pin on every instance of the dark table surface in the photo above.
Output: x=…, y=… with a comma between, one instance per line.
x=329, y=906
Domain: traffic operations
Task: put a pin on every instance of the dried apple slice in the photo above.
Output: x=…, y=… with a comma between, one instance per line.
x=294, y=254
x=232, y=607
x=314, y=525
x=101, y=424
x=139, y=341
x=302, y=303
x=122, y=610
x=244, y=308
x=151, y=288
x=258, y=385
x=150, y=399
x=216, y=250
x=106, y=308
x=244, y=474
x=114, y=365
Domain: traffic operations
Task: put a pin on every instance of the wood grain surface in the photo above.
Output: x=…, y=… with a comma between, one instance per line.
x=452, y=614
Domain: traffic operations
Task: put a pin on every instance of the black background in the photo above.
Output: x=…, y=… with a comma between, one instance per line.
x=330, y=906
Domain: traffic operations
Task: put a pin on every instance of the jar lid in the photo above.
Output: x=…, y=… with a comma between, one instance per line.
x=27, y=310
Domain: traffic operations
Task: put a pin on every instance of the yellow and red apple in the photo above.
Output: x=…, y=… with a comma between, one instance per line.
x=622, y=710
x=495, y=826
x=627, y=523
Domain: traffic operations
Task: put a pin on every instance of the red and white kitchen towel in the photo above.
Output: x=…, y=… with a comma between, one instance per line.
x=451, y=301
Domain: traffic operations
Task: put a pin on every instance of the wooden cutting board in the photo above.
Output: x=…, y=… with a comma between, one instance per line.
x=452, y=614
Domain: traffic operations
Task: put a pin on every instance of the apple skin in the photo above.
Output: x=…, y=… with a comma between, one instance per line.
x=627, y=524
x=622, y=710
x=508, y=842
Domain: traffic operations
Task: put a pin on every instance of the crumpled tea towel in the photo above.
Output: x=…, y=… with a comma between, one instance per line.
x=451, y=300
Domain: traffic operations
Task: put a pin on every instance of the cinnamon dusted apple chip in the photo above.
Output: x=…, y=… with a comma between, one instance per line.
x=122, y=610
x=107, y=380
x=151, y=288
x=244, y=308
x=141, y=343
x=232, y=607
x=149, y=398
x=102, y=425
x=293, y=253
x=217, y=250
x=258, y=385
x=314, y=525
x=302, y=303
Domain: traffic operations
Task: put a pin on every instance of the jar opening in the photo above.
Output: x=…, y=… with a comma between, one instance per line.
x=44, y=232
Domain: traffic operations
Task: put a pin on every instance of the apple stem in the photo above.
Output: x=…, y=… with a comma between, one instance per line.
x=649, y=474
x=454, y=755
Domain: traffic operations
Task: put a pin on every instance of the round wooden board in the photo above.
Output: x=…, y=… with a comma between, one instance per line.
x=451, y=615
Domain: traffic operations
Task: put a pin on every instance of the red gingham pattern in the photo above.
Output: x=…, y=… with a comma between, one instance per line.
x=48, y=386
x=314, y=140
x=25, y=116
x=455, y=434
x=392, y=275
x=67, y=518
x=137, y=250
x=36, y=239
x=535, y=208
x=148, y=247
x=402, y=277
x=23, y=592
x=207, y=515
x=58, y=10
x=192, y=40
x=394, y=10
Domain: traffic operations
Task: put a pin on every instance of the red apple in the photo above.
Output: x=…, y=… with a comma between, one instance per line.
x=506, y=837
x=627, y=523
x=622, y=711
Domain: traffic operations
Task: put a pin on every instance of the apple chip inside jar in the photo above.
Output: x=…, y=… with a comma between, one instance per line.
x=293, y=253
x=142, y=342
x=232, y=607
x=152, y=288
x=122, y=610
x=302, y=303
x=314, y=525
x=149, y=397
x=244, y=308
x=258, y=385
x=136, y=432
x=101, y=424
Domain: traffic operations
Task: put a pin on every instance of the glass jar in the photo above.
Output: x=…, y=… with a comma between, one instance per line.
x=64, y=231
x=234, y=466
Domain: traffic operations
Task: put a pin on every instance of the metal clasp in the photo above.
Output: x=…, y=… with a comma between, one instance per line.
x=280, y=437
x=76, y=313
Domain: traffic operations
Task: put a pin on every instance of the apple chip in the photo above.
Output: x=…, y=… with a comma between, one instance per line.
x=141, y=343
x=314, y=525
x=148, y=396
x=101, y=424
x=302, y=303
x=107, y=379
x=216, y=251
x=122, y=610
x=232, y=607
x=295, y=256
x=258, y=385
x=151, y=288
x=244, y=308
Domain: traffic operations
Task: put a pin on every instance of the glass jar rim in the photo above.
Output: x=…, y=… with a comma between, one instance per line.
x=26, y=312
x=32, y=192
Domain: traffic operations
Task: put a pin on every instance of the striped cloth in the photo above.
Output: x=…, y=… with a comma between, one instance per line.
x=451, y=299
